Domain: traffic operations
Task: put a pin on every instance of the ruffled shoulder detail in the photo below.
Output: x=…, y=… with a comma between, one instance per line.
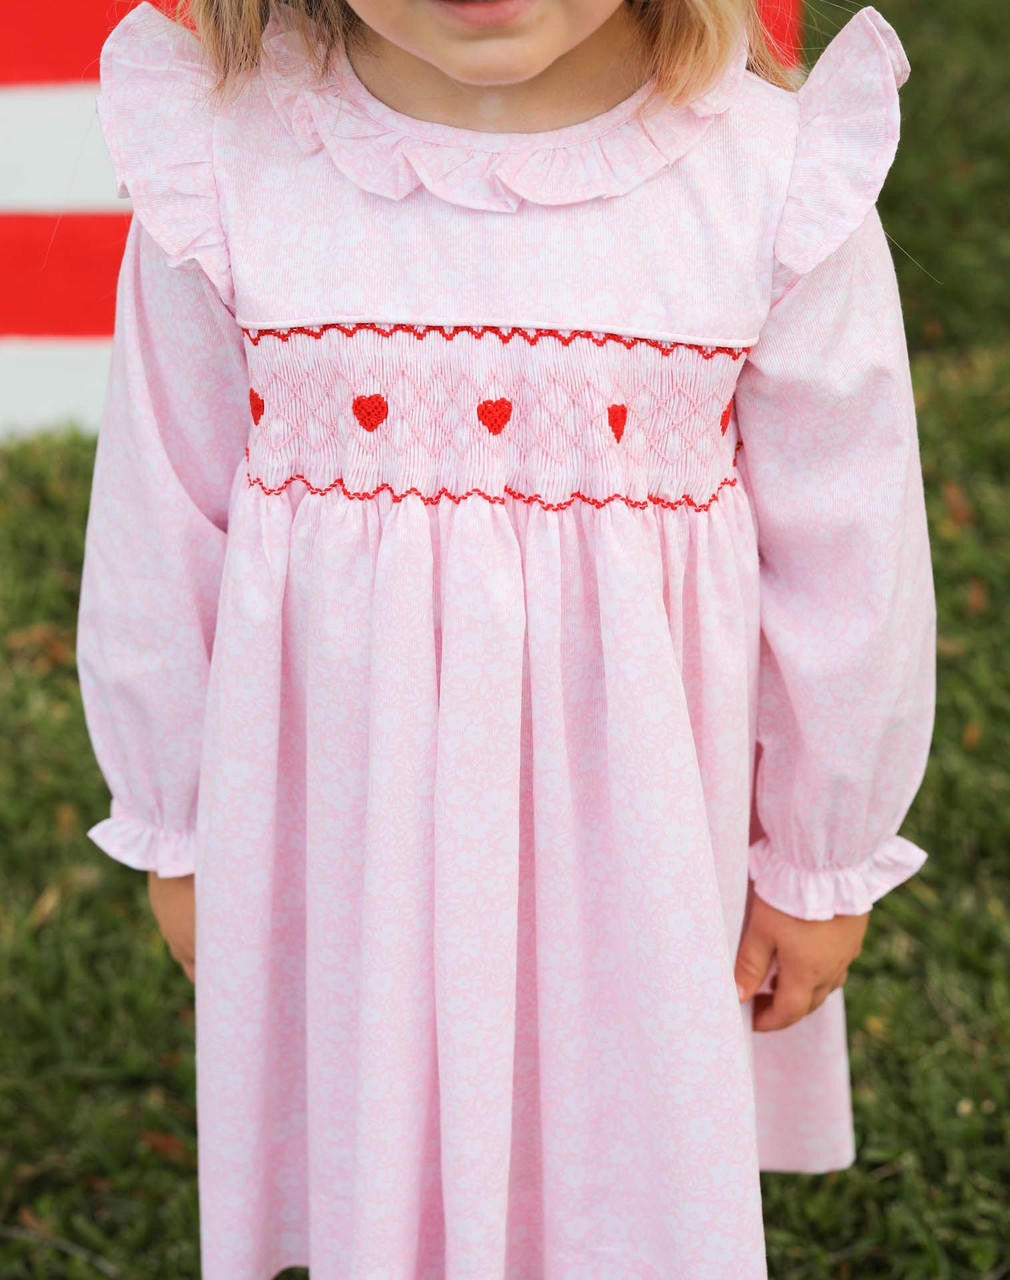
x=849, y=122
x=390, y=154
x=157, y=122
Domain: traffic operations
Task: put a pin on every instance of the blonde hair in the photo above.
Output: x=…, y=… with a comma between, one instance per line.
x=686, y=44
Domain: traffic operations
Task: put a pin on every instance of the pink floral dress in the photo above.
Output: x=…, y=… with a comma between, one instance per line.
x=469, y=508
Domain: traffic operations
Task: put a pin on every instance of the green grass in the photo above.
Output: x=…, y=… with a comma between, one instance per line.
x=97, y=1088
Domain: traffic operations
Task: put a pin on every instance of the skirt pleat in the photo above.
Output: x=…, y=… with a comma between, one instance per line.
x=250, y=876
x=475, y=878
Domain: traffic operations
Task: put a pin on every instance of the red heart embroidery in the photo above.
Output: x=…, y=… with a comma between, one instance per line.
x=724, y=420
x=256, y=404
x=494, y=414
x=370, y=411
x=618, y=415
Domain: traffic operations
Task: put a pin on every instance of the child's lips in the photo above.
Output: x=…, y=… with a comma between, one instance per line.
x=484, y=13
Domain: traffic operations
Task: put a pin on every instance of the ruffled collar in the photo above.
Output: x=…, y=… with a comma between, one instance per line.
x=391, y=154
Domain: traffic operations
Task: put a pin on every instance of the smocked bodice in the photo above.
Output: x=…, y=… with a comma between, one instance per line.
x=547, y=416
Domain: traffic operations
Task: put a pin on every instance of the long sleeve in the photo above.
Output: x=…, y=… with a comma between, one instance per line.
x=830, y=458
x=848, y=617
x=172, y=434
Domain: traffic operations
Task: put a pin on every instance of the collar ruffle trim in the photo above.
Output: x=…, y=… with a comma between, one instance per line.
x=391, y=154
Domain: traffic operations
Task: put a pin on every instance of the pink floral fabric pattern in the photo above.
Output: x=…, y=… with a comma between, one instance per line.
x=486, y=530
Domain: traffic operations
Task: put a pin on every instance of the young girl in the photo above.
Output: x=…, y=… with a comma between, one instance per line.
x=509, y=429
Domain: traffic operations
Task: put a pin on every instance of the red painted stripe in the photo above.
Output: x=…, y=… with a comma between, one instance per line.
x=783, y=24
x=61, y=39
x=60, y=273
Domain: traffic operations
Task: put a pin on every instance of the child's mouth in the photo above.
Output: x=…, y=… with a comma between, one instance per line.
x=484, y=13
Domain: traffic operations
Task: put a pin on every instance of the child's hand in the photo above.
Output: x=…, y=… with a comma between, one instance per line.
x=173, y=904
x=813, y=959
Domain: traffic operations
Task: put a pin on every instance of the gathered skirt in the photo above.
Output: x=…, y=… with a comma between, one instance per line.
x=474, y=816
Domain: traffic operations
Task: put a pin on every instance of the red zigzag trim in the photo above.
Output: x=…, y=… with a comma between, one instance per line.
x=478, y=331
x=652, y=499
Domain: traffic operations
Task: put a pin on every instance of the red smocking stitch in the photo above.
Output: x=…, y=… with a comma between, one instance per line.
x=617, y=415
x=370, y=411
x=724, y=420
x=505, y=334
x=430, y=499
x=494, y=414
x=256, y=405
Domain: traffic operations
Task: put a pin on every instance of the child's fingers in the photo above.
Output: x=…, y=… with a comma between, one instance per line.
x=825, y=989
x=791, y=1000
x=772, y=1012
x=182, y=954
x=820, y=994
x=753, y=957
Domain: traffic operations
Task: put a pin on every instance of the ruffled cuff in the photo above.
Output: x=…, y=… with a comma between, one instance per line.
x=144, y=846
x=822, y=892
